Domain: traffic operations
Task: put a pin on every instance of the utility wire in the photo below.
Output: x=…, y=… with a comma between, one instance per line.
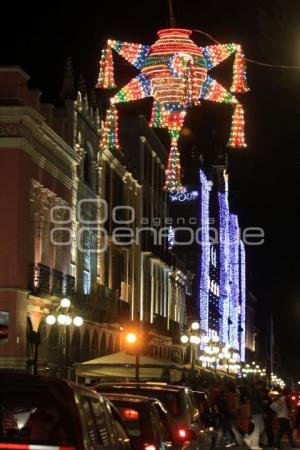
x=252, y=61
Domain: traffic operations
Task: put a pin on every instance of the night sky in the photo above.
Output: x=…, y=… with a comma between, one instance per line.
x=264, y=177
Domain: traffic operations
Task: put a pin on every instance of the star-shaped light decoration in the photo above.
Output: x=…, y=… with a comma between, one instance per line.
x=174, y=71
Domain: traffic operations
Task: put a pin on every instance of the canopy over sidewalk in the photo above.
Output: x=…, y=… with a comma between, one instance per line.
x=122, y=365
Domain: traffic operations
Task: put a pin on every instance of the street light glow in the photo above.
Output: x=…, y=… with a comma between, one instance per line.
x=131, y=338
x=195, y=326
x=65, y=303
x=68, y=320
x=61, y=319
x=51, y=319
x=194, y=339
x=78, y=321
x=184, y=339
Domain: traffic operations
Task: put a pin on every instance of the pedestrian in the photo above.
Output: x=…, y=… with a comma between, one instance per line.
x=279, y=405
x=268, y=418
x=257, y=415
x=229, y=406
x=297, y=423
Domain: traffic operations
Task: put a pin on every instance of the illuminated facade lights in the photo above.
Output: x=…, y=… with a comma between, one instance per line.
x=205, y=252
x=222, y=281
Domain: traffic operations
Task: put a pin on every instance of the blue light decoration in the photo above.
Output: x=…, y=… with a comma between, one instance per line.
x=224, y=263
x=183, y=195
x=171, y=237
x=205, y=252
x=234, y=307
x=242, y=300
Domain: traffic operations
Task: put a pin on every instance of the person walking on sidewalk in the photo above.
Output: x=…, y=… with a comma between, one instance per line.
x=279, y=405
x=257, y=415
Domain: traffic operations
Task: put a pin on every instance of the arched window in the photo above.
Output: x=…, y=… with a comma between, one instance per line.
x=94, y=347
x=110, y=346
x=103, y=345
x=43, y=347
x=30, y=347
x=53, y=345
x=85, y=348
x=75, y=347
x=89, y=171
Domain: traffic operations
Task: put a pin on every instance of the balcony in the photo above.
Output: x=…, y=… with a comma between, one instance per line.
x=57, y=279
x=69, y=286
x=39, y=278
x=103, y=306
x=160, y=325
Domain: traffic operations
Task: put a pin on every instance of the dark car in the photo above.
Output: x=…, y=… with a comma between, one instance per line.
x=208, y=418
x=179, y=402
x=48, y=413
x=146, y=420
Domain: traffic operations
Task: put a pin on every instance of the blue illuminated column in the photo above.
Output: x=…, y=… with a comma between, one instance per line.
x=205, y=252
x=224, y=263
x=234, y=305
x=243, y=300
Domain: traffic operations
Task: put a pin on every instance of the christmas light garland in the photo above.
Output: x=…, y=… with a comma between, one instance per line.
x=205, y=253
x=242, y=300
x=234, y=280
x=224, y=263
x=174, y=71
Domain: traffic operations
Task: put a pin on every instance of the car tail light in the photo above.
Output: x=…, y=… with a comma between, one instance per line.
x=150, y=447
x=293, y=397
x=182, y=433
x=128, y=414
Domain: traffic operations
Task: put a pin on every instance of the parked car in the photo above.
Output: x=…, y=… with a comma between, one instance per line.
x=44, y=412
x=179, y=402
x=146, y=420
x=208, y=418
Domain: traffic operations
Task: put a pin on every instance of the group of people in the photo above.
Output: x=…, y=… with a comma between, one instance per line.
x=246, y=415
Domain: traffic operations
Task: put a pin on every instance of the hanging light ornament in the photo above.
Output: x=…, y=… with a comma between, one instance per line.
x=174, y=71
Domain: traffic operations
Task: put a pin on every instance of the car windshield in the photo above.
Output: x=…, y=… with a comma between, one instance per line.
x=35, y=417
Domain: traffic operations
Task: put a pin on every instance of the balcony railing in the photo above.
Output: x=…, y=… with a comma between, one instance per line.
x=160, y=325
x=100, y=306
x=39, y=278
x=57, y=279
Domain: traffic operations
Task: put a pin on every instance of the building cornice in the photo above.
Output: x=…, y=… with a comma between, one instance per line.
x=40, y=160
x=26, y=117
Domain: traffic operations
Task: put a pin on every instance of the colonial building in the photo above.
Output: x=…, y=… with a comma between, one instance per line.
x=64, y=202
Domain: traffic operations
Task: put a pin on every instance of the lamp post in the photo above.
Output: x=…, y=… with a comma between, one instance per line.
x=132, y=340
x=192, y=337
x=64, y=317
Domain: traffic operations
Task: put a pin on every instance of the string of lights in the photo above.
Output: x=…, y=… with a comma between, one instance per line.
x=174, y=71
x=252, y=61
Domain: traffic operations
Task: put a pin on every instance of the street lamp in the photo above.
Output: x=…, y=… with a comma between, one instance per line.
x=132, y=340
x=192, y=337
x=63, y=316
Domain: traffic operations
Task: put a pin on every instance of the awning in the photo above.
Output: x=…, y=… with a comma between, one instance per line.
x=122, y=365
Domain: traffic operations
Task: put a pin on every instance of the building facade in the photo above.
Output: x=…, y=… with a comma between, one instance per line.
x=222, y=282
x=72, y=211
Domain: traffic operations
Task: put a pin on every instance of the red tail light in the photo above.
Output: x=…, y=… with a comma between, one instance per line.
x=293, y=397
x=129, y=414
x=150, y=447
x=182, y=433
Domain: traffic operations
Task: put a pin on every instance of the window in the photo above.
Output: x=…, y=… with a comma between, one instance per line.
x=131, y=419
x=35, y=416
x=86, y=282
